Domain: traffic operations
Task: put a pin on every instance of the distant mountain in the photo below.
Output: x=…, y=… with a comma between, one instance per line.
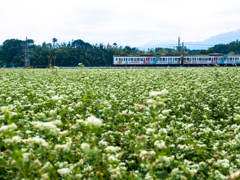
x=157, y=43
x=223, y=38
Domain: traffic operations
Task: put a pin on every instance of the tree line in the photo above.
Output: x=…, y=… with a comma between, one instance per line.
x=78, y=51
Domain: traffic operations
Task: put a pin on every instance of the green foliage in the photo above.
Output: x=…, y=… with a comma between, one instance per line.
x=69, y=54
x=233, y=47
x=78, y=51
x=119, y=124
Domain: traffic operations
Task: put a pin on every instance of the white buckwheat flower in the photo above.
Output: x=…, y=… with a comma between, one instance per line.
x=166, y=111
x=64, y=171
x=163, y=93
x=47, y=126
x=159, y=93
x=111, y=149
x=94, y=122
x=150, y=131
x=63, y=147
x=56, y=97
x=85, y=146
x=154, y=93
x=36, y=140
x=7, y=128
x=160, y=145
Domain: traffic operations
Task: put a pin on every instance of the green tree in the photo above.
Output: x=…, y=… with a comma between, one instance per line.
x=54, y=40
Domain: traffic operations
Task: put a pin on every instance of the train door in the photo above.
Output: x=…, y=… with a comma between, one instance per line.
x=157, y=59
x=190, y=60
x=215, y=59
x=147, y=60
x=194, y=60
x=175, y=60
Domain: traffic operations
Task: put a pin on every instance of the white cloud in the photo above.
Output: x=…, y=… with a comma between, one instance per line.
x=127, y=22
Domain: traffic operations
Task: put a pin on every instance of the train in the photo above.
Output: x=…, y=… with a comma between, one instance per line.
x=176, y=60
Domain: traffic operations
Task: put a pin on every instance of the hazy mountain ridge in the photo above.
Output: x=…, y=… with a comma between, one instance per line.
x=223, y=38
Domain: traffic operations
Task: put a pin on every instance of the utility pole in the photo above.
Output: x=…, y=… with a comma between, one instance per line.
x=49, y=58
x=26, y=51
x=182, y=56
x=26, y=55
x=179, y=46
x=54, y=58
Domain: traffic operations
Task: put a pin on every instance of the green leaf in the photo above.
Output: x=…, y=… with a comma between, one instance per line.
x=236, y=147
x=161, y=174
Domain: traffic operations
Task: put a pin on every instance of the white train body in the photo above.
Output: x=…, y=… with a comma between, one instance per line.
x=176, y=60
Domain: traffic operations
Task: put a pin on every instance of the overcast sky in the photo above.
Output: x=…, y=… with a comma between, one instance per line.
x=126, y=22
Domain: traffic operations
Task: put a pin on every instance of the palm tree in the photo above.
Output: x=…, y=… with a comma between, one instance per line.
x=54, y=40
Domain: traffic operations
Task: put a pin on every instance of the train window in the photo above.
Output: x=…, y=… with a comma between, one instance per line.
x=230, y=58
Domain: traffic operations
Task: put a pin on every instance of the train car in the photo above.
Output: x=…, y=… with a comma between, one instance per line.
x=146, y=60
x=187, y=60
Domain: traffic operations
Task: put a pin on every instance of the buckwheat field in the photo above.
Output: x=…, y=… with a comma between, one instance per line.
x=120, y=124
